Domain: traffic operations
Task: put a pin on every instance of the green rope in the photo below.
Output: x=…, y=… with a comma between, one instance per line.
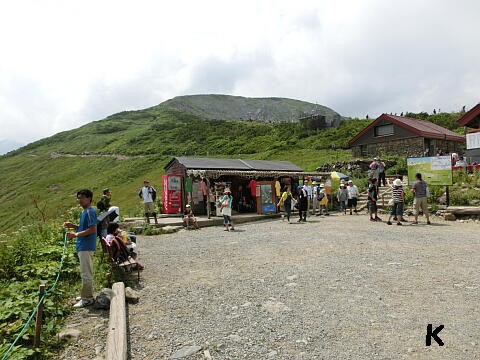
x=35, y=310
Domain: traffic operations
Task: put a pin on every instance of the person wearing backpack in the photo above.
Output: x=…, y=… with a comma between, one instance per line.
x=286, y=201
x=148, y=194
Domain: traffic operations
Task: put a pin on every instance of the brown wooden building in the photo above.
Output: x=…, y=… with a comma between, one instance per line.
x=471, y=122
x=402, y=136
x=249, y=181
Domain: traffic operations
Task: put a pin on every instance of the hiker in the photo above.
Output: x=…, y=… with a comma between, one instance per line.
x=398, y=196
x=302, y=203
x=189, y=218
x=342, y=197
x=85, y=244
x=380, y=173
x=353, y=195
x=148, y=194
x=372, y=200
x=122, y=245
x=226, y=205
x=286, y=202
x=420, y=191
x=212, y=202
x=372, y=167
x=315, y=191
x=107, y=213
x=308, y=190
x=322, y=200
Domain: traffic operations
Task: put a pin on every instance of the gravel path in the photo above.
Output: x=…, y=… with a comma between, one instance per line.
x=337, y=287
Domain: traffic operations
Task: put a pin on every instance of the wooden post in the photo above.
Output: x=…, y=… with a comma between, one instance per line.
x=117, y=326
x=447, y=196
x=38, y=320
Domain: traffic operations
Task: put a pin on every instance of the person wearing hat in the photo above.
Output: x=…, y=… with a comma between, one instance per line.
x=322, y=200
x=380, y=172
x=342, y=197
x=353, y=195
x=148, y=194
x=225, y=204
x=302, y=203
x=398, y=196
x=106, y=212
x=189, y=218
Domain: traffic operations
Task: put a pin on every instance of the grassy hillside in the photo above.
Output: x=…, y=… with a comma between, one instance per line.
x=40, y=180
x=225, y=107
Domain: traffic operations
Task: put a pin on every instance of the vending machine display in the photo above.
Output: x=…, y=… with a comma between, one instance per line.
x=171, y=194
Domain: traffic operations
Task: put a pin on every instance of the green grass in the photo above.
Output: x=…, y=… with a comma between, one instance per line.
x=37, y=185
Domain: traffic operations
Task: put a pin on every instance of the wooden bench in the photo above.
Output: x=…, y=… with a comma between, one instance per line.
x=123, y=267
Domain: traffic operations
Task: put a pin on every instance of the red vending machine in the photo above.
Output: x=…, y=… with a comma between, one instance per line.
x=171, y=194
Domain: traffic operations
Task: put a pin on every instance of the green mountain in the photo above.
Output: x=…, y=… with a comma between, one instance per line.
x=40, y=180
x=225, y=107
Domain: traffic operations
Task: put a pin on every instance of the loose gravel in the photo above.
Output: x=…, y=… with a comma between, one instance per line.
x=337, y=287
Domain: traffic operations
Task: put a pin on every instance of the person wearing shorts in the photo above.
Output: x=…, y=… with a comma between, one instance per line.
x=372, y=200
x=419, y=189
x=146, y=194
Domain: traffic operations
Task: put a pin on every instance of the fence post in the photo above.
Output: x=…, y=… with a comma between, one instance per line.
x=38, y=321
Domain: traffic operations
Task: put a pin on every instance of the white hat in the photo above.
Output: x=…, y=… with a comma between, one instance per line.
x=397, y=182
x=350, y=181
x=322, y=185
x=314, y=182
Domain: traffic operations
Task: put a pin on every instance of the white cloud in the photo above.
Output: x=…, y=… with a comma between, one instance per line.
x=64, y=64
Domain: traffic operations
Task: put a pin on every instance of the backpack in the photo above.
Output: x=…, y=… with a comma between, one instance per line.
x=154, y=193
x=120, y=252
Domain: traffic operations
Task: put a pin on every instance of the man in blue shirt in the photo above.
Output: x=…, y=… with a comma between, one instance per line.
x=86, y=244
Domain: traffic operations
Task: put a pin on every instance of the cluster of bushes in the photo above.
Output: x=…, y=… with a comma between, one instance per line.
x=29, y=257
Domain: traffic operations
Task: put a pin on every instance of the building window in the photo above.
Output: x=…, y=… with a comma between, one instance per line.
x=383, y=130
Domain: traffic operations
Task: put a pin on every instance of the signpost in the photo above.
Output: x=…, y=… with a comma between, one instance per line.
x=435, y=170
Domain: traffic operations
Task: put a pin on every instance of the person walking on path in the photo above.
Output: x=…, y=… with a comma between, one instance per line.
x=372, y=200
x=302, y=204
x=286, y=201
x=398, y=196
x=380, y=172
x=308, y=190
x=315, y=190
x=353, y=195
x=342, y=197
x=148, y=194
x=86, y=244
x=226, y=205
x=420, y=191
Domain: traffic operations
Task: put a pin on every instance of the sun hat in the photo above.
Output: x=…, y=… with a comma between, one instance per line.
x=188, y=205
x=227, y=190
x=322, y=185
x=397, y=182
x=314, y=182
x=350, y=181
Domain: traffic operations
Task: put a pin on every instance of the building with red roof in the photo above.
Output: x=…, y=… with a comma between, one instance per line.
x=471, y=121
x=402, y=136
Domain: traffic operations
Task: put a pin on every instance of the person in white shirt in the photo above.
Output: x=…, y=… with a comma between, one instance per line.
x=315, y=191
x=308, y=190
x=353, y=195
x=148, y=193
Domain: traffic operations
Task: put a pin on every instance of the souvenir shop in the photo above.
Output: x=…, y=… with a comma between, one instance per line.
x=255, y=185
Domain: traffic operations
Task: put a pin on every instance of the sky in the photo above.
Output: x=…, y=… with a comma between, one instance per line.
x=66, y=63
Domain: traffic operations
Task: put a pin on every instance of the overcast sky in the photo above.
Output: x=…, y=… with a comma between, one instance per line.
x=67, y=63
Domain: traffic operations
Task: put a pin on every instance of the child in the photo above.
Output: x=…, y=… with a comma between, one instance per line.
x=342, y=197
x=189, y=218
x=120, y=242
x=372, y=200
x=398, y=196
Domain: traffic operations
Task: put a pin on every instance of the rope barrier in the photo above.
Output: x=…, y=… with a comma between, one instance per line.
x=47, y=292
